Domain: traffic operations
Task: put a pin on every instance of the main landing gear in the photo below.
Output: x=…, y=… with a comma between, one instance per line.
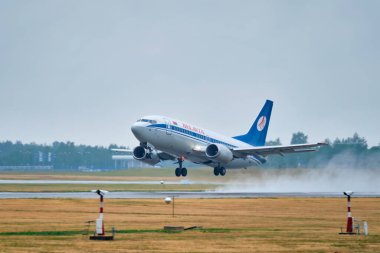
x=219, y=171
x=180, y=171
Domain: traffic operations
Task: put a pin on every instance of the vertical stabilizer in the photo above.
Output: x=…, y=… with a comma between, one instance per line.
x=258, y=132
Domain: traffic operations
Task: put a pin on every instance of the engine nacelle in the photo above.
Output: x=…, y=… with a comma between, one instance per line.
x=219, y=153
x=145, y=155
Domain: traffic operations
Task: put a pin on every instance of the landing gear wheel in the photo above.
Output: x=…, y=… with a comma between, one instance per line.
x=216, y=171
x=222, y=171
x=178, y=172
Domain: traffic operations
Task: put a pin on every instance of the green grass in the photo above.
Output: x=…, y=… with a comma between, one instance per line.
x=129, y=231
x=76, y=232
x=42, y=233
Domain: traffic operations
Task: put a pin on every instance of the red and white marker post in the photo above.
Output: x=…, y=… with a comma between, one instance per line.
x=101, y=216
x=100, y=220
x=349, y=217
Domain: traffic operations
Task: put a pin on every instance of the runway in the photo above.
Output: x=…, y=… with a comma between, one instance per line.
x=103, y=182
x=185, y=195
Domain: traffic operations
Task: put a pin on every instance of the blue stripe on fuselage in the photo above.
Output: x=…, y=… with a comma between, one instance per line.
x=198, y=137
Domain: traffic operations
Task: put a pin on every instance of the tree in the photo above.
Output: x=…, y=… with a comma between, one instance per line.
x=299, y=138
x=275, y=142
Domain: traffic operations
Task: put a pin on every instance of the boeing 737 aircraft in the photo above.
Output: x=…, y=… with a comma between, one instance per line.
x=162, y=138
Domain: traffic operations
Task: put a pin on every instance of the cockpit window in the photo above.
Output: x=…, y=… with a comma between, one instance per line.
x=148, y=120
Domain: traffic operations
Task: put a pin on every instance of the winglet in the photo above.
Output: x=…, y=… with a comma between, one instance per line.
x=258, y=132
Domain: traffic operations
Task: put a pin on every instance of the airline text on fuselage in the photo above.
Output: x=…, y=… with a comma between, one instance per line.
x=192, y=128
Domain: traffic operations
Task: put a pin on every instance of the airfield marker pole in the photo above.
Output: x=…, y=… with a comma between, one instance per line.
x=101, y=213
x=100, y=232
x=349, y=217
x=100, y=220
x=173, y=207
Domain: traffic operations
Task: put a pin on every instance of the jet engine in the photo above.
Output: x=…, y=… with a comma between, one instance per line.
x=145, y=155
x=219, y=153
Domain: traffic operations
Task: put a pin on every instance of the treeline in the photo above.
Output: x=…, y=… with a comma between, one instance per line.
x=351, y=152
x=59, y=155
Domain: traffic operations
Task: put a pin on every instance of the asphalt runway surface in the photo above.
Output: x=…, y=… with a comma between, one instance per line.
x=211, y=194
x=185, y=195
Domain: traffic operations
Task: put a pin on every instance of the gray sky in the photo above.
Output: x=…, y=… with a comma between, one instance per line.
x=86, y=70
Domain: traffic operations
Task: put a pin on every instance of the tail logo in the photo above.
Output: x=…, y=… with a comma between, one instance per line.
x=261, y=123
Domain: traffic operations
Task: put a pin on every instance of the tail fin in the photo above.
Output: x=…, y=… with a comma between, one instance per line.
x=258, y=132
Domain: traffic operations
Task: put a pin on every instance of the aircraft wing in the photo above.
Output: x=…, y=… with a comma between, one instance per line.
x=276, y=150
x=128, y=151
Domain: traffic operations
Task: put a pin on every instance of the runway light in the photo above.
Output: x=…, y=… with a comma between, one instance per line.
x=100, y=192
x=168, y=200
x=348, y=193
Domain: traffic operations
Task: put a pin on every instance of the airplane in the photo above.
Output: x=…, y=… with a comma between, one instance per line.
x=163, y=138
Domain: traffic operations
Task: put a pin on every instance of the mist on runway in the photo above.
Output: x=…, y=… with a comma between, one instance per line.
x=330, y=179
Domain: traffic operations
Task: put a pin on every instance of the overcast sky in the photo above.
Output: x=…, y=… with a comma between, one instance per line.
x=84, y=71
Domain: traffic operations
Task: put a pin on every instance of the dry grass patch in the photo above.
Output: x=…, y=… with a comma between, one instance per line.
x=230, y=225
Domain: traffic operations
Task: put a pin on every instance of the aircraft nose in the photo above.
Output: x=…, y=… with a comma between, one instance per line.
x=136, y=128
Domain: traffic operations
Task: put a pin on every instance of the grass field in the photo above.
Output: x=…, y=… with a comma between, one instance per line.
x=229, y=225
x=127, y=174
x=204, y=176
x=109, y=187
